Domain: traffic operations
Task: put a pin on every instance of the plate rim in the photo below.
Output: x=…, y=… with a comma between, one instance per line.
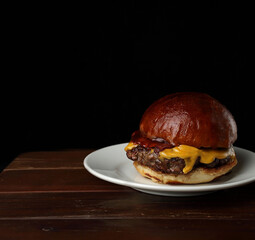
x=184, y=188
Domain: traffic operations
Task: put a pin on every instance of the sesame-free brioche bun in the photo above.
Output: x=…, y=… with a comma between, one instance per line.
x=196, y=176
x=184, y=138
x=194, y=119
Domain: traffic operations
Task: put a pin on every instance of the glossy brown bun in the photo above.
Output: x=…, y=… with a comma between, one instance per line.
x=194, y=119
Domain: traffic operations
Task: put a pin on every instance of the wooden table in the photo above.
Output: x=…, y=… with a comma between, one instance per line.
x=49, y=195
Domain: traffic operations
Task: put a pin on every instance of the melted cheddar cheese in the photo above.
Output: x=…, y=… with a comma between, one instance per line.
x=191, y=154
x=130, y=146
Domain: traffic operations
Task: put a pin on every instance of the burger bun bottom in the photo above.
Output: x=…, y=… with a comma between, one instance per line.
x=198, y=175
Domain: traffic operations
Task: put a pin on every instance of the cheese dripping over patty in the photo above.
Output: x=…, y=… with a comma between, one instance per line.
x=190, y=154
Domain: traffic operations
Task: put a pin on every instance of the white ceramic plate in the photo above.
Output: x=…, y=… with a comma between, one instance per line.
x=112, y=165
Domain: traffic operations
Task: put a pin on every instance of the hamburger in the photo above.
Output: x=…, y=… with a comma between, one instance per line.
x=184, y=138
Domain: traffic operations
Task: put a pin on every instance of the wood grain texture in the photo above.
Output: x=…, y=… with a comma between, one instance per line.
x=66, y=159
x=126, y=205
x=51, y=195
x=126, y=229
x=50, y=180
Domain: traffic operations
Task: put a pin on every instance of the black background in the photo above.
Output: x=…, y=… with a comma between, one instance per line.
x=82, y=76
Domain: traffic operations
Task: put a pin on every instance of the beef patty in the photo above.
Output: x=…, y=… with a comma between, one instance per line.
x=149, y=158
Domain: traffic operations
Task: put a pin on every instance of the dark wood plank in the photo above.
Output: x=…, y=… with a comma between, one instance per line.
x=58, y=180
x=64, y=159
x=54, y=180
x=192, y=229
x=225, y=205
x=51, y=195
